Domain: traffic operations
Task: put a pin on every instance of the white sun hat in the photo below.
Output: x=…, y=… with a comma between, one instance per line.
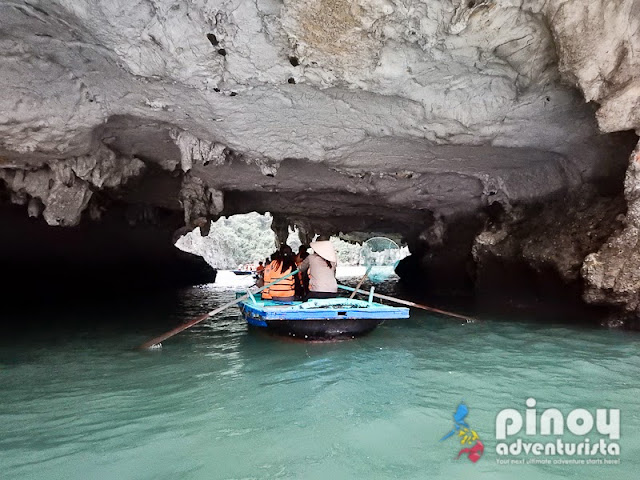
x=325, y=250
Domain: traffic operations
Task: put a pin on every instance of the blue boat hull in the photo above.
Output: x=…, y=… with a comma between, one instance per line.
x=327, y=319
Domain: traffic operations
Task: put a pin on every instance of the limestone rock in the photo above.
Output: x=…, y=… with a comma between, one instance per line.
x=199, y=201
x=64, y=197
x=445, y=72
x=554, y=236
x=103, y=168
x=64, y=204
x=596, y=45
x=612, y=275
x=64, y=187
x=196, y=151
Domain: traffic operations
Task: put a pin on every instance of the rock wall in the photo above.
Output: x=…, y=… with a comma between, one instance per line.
x=612, y=274
x=596, y=44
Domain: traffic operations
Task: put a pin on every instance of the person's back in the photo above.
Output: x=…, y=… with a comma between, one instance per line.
x=302, y=279
x=322, y=275
x=302, y=254
x=321, y=267
x=266, y=279
x=259, y=275
x=284, y=290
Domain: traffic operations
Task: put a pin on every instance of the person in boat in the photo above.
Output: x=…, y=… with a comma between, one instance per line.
x=303, y=252
x=282, y=263
x=321, y=268
x=266, y=274
x=302, y=279
x=260, y=275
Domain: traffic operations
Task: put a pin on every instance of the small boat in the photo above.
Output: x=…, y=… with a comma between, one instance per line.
x=318, y=319
x=243, y=272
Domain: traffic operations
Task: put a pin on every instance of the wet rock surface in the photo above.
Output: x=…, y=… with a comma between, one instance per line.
x=464, y=127
x=612, y=274
x=536, y=255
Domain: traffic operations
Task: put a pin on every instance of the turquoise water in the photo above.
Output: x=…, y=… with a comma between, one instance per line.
x=221, y=402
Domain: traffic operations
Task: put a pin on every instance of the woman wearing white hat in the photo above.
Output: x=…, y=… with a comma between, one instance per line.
x=321, y=268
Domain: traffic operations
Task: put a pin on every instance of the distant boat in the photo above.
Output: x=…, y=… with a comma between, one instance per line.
x=318, y=319
x=243, y=272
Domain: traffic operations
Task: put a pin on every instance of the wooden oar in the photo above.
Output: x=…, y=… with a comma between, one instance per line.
x=191, y=323
x=353, y=294
x=406, y=302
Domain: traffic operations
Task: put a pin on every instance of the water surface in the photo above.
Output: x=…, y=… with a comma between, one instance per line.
x=221, y=402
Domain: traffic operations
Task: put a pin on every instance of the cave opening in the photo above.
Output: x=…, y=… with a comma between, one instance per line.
x=236, y=244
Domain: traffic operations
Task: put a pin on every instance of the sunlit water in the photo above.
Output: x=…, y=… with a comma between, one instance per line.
x=221, y=402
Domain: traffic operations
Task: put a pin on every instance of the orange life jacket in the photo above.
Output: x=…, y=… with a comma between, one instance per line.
x=284, y=288
x=267, y=275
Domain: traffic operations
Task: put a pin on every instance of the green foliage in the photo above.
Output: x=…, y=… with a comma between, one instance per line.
x=244, y=238
x=233, y=241
x=248, y=238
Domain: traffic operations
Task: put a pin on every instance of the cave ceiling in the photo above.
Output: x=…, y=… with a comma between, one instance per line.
x=364, y=112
